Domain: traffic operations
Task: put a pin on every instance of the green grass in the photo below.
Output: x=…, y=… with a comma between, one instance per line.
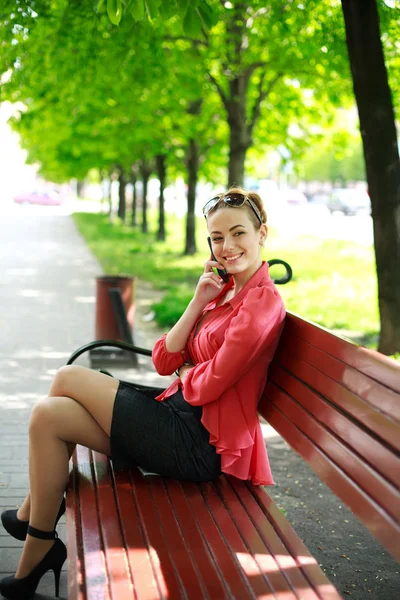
x=334, y=282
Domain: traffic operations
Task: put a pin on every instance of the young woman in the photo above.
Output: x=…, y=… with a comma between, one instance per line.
x=205, y=423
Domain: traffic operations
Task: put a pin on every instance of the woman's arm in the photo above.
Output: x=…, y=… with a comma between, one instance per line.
x=208, y=288
x=255, y=330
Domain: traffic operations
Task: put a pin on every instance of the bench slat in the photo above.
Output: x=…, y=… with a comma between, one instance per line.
x=379, y=522
x=285, y=560
x=182, y=556
x=206, y=567
x=304, y=560
x=349, y=403
x=378, y=489
x=372, y=450
x=76, y=584
x=376, y=394
x=226, y=562
x=138, y=552
x=266, y=567
x=164, y=568
x=371, y=363
x=91, y=554
x=119, y=576
x=244, y=559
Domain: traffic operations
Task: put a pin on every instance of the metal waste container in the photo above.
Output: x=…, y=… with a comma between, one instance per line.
x=106, y=322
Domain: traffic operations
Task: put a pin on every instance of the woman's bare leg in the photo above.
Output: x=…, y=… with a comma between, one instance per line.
x=74, y=379
x=24, y=510
x=78, y=412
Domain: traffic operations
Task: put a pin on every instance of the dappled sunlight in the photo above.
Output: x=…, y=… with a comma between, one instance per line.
x=252, y=564
x=20, y=400
x=85, y=299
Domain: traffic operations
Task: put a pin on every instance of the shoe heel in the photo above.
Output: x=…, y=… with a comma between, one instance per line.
x=57, y=573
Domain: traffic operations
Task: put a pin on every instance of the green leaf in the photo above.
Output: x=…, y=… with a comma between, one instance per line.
x=208, y=16
x=101, y=6
x=114, y=10
x=191, y=22
x=138, y=10
x=152, y=8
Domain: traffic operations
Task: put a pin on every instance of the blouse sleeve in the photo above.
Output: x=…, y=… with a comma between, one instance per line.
x=166, y=362
x=255, y=329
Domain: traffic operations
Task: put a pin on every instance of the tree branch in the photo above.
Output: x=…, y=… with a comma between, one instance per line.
x=220, y=91
x=255, y=113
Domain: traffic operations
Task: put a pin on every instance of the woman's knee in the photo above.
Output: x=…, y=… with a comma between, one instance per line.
x=63, y=378
x=41, y=415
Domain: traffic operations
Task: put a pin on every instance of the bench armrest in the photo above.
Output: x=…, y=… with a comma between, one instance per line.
x=110, y=343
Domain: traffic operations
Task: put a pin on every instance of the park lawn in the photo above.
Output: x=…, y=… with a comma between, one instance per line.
x=334, y=282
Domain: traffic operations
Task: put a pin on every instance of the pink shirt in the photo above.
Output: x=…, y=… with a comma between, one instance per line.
x=231, y=352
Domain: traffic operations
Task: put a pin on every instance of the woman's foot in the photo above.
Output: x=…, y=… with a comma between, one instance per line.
x=42, y=552
x=16, y=524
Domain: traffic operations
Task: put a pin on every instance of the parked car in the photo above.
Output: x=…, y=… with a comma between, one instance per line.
x=349, y=201
x=52, y=199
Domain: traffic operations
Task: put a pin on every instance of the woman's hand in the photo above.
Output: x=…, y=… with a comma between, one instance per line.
x=209, y=284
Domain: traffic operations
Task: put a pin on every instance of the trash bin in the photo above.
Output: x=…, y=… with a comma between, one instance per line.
x=106, y=327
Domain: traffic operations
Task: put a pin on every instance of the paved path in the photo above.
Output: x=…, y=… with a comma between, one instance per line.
x=47, y=300
x=46, y=311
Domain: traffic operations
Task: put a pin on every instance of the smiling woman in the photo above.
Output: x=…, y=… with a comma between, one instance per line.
x=204, y=424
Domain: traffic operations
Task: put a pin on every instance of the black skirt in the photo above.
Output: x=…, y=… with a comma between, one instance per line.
x=166, y=437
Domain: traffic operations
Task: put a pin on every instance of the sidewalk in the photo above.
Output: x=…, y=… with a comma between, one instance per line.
x=46, y=311
x=47, y=301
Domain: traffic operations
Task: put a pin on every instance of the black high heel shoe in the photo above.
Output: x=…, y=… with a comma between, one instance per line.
x=18, y=529
x=16, y=589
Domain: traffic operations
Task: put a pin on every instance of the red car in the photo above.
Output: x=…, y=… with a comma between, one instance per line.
x=52, y=199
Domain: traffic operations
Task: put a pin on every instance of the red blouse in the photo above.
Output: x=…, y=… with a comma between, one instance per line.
x=231, y=352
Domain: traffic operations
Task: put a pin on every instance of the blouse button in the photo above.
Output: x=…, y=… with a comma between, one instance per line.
x=182, y=352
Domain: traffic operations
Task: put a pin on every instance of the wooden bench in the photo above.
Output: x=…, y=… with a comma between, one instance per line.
x=132, y=535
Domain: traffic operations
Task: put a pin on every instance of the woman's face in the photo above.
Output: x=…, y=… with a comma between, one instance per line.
x=235, y=241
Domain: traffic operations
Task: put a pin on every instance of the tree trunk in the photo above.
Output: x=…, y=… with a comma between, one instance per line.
x=192, y=163
x=121, y=193
x=238, y=132
x=134, y=196
x=161, y=174
x=381, y=154
x=145, y=172
x=110, y=204
x=79, y=188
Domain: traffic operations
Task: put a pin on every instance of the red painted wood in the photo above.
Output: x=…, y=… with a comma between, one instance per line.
x=369, y=362
x=76, y=584
x=378, y=489
x=372, y=450
x=245, y=561
x=287, y=563
x=196, y=545
x=257, y=547
x=92, y=555
x=381, y=397
x=226, y=563
x=174, y=538
x=347, y=402
x=304, y=560
x=378, y=522
x=138, y=552
x=119, y=576
x=163, y=565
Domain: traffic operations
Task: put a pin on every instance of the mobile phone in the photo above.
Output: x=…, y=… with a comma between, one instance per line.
x=223, y=273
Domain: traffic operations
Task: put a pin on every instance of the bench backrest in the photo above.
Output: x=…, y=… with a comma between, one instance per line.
x=338, y=406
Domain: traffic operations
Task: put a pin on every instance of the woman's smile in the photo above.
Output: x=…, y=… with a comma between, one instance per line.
x=233, y=257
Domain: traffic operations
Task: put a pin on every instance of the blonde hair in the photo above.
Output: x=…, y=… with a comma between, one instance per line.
x=253, y=196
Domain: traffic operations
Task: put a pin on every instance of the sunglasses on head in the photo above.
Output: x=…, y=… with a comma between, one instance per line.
x=235, y=200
